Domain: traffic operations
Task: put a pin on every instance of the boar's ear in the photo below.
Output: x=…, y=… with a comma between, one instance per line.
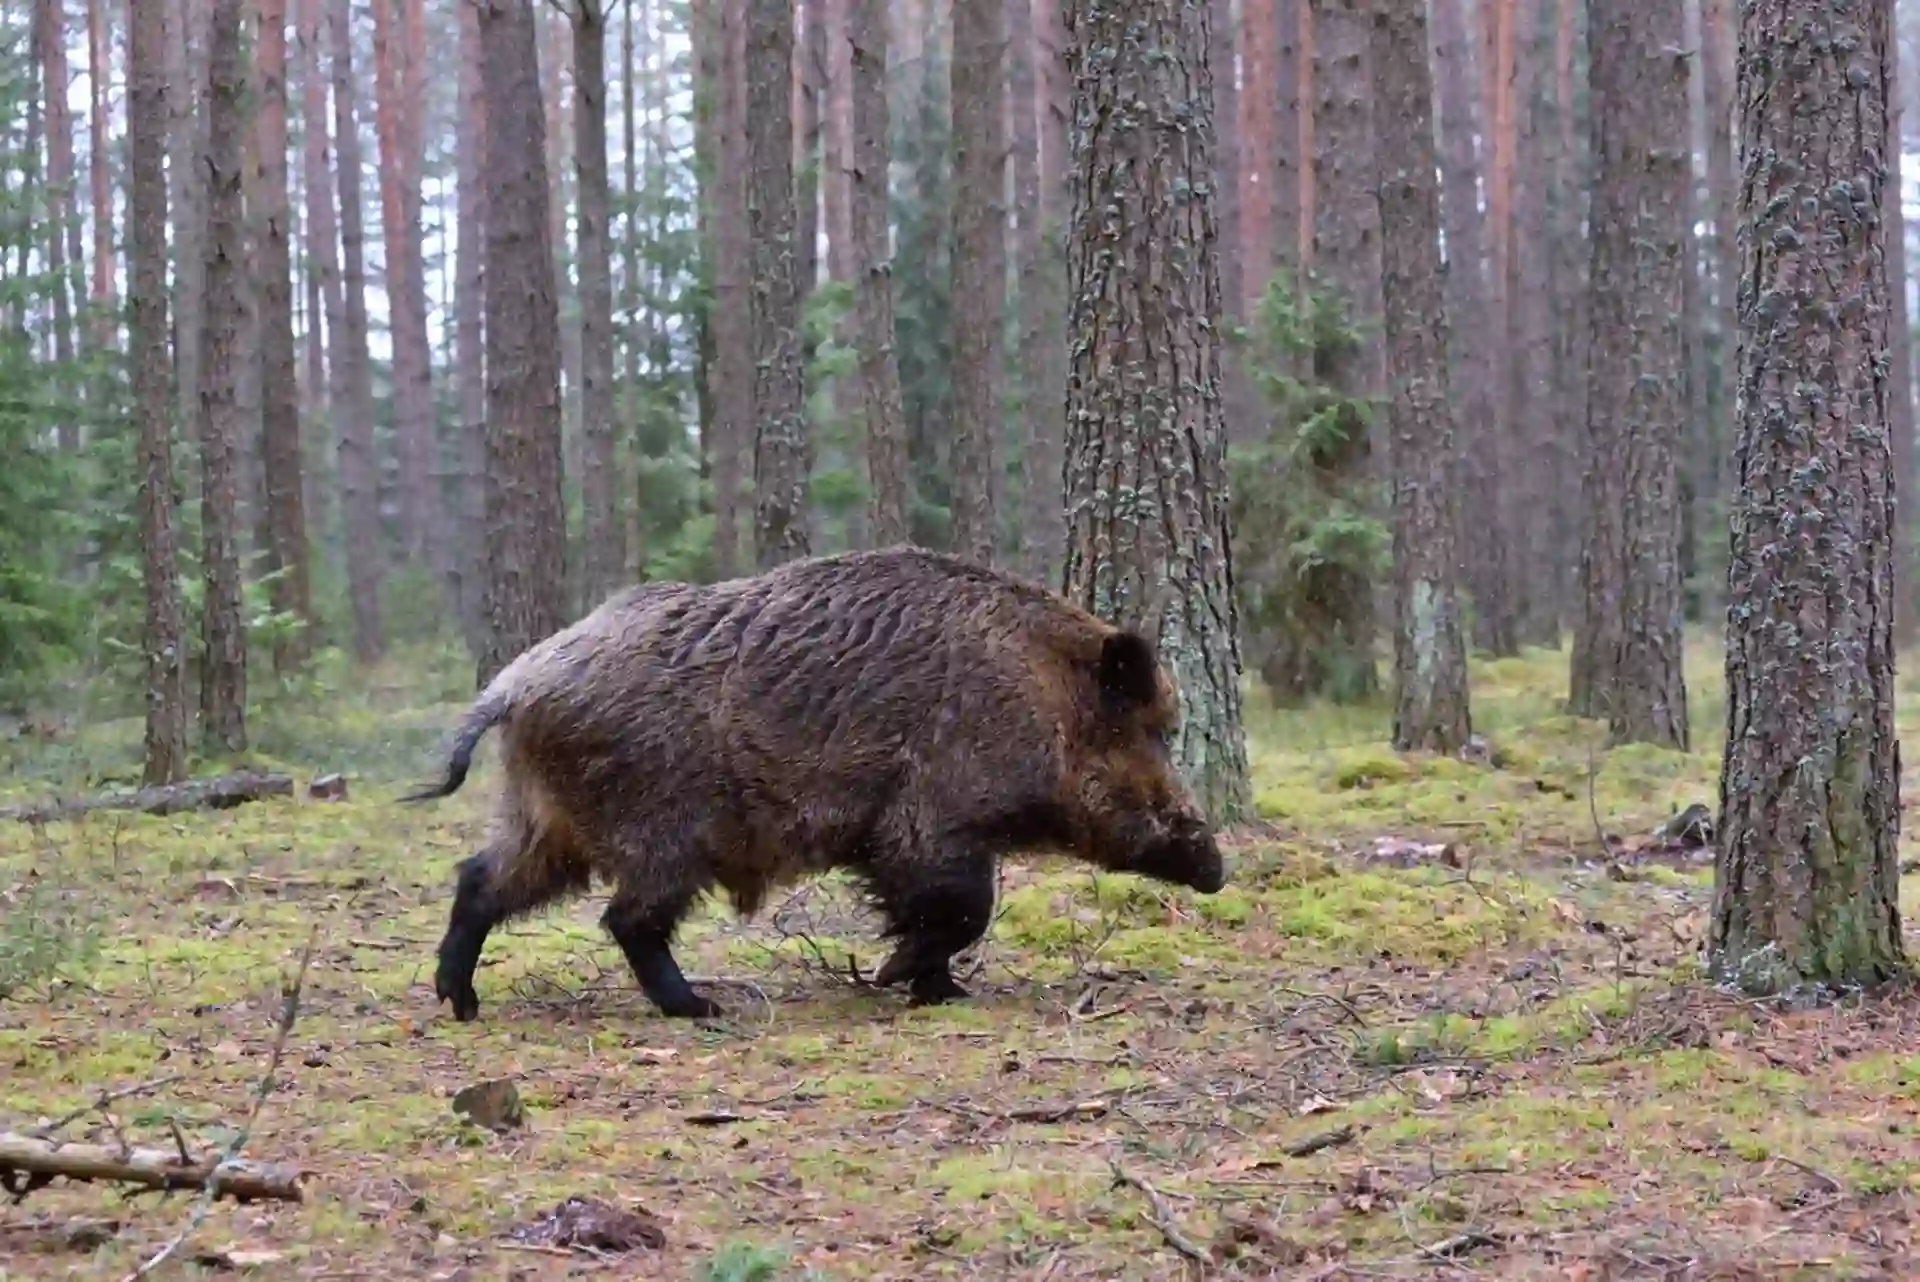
x=1128, y=672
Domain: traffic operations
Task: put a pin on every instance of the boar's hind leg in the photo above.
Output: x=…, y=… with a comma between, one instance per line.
x=934, y=912
x=643, y=928
x=490, y=889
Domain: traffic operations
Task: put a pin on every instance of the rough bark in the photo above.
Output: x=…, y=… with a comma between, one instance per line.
x=873, y=260
x=1627, y=660
x=163, y=639
x=1259, y=29
x=63, y=225
x=836, y=199
x=605, y=556
x=809, y=81
x=1284, y=156
x=550, y=37
x=101, y=290
x=280, y=447
x=1039, y=401
x=1718, y=28
x=525, y=521
x=733, y=366
x=1430, y=660
x=1567, y=303
x=1470, y=332
x=979, y=271
x=1806, y=884
x=219, y=418
x=781, y=455
x=469, y=307
x=1146, y=485
x=1900, y=365
x=1237, y=400
x=352, y=366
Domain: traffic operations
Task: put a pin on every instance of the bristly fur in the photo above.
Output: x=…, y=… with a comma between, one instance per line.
x=902, y=713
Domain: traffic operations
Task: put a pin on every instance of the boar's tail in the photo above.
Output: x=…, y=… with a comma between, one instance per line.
x=481, y=717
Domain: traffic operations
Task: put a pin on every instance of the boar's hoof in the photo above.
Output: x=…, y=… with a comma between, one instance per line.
x=936, y=987
x=466, y=1002
x=689, y=1005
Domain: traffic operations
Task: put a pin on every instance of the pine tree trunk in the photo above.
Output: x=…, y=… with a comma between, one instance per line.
x=1284, y=159
x=1718, y=29
x=1906, y=623
x=1237, y=401
x=733, y=367
x=1146, y=444
x=1039, y=402
x=186, y=142
x=1567, y=304
x=1346, y=234
x=164, y=638
x=1430, y=660
x=101, y=292
x=469, y=321
x=809, y=78
x=63, y=226
x=1806, y=884
x=281, y=452
x=325, y=304
x=781, y=457
x=1629, y=637
x=836, y=192
x=1470, y=332
x=605, y=532
x=979, y=271
x=219, y=418
x=1530, y=330
x=397, y=116
x=352, y=366
x=1258, y=29
x=1047, y=517
x=525, y=520
x=867, y=210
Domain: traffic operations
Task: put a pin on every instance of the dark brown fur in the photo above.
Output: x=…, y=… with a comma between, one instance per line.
x=901, y=713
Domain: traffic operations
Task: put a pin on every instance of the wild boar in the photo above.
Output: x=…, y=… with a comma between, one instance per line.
x=903, y=714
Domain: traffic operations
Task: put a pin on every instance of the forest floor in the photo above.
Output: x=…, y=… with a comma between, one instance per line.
x=1432, y=1029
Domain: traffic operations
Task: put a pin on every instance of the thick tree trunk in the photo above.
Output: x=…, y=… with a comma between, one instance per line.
x=781, y=456
x=1237, y=399
x=873, y=262
x=1430, y=660
x=164, y=638
x=1627, y=659
x=280, y=448
x=469, y=321
x=1470, y=332
x=979, y=271
x=1900, y=366
x=605, y=531
x=220, y=419
x=353, y=372
x=525, y=520
x=733, y=368
x=1146, y=445
x=1806, y=880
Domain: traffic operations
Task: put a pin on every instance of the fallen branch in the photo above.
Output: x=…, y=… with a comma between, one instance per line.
x=1324, y=1140
x=1160, y=1214
x=29, y=1161
x=222, y=793
x=217, y=1178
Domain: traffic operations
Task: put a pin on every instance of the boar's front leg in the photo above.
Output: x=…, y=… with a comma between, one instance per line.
x=934, y=910
x=643, y=927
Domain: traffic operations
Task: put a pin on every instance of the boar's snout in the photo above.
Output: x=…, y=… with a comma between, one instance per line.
x=1185, y=853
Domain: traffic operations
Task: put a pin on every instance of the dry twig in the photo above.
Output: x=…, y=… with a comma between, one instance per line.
x=101, y=1102
x=1159, y=1213
x=216, y=1181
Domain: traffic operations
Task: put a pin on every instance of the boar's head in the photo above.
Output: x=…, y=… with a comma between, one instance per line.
x=1135, y=812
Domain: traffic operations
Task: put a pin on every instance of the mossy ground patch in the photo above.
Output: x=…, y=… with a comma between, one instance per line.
x=1424, y=1015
